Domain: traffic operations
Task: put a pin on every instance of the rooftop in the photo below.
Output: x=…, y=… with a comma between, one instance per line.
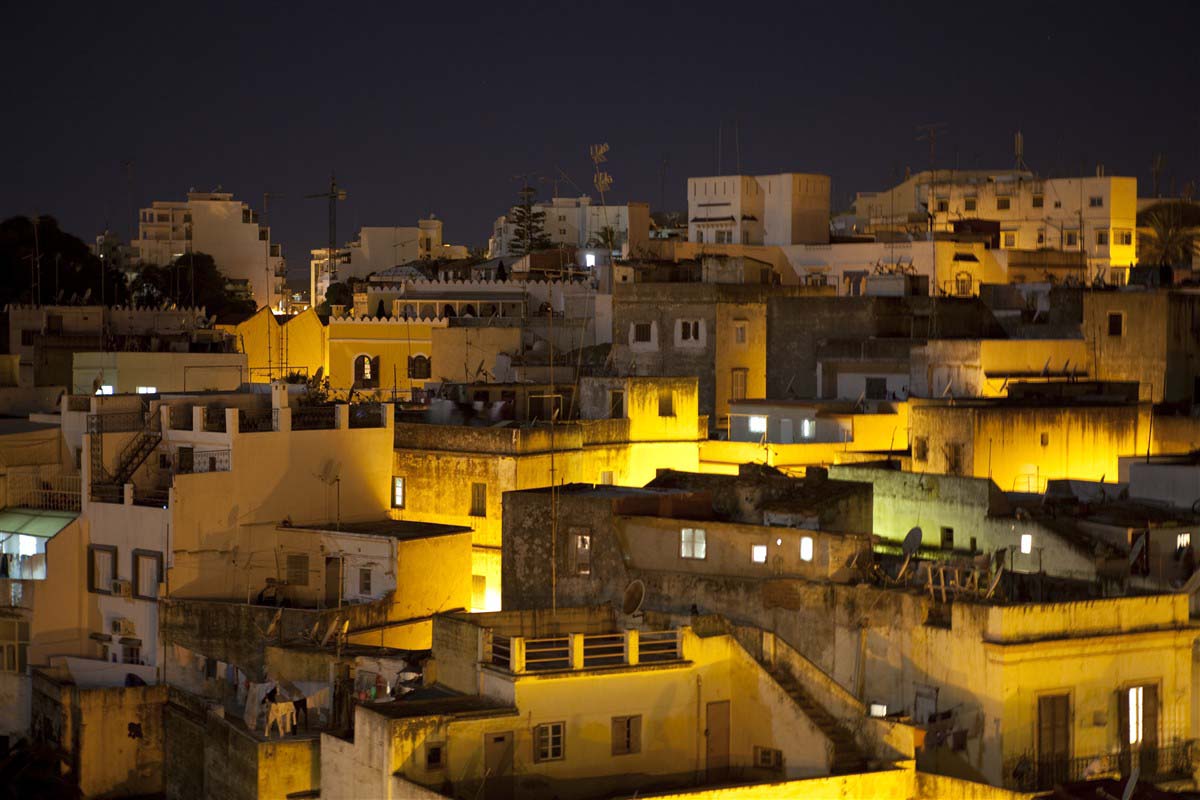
x=439, y=701
x=402, y=530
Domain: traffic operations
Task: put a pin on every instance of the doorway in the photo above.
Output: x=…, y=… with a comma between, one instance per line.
x=716, y=731
x=497, y=766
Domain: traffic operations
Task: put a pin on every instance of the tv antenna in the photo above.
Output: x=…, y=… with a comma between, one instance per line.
x=1019, y=151
x=333, y=196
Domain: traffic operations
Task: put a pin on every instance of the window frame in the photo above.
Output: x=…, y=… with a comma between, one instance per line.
x=364, y=587
x=137, y=556
x=543, y=741
x=403, y=483
x=635, y=337
x=478, y=507
x=582, y=567
x=758, y=554
x=631, y=740
x=1119, y=317
x=91, y=567
x=287, y=568
x=440, y=747
x=688, y=540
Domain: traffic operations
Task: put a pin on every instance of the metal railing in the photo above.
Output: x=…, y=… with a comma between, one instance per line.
x=313, y=418
x=116, y=422
x=658, y=646
x=53, y=493
x=1027, y=773
x=499, y=651
x=604, y=650
x=547, y=654
x=257, y=420
x=203, y=461
x=214, y=419
x=79, y=402
x=155, y=497
x=181, y=417
x=367, y=415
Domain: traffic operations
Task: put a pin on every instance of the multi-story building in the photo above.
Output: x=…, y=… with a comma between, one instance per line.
x=790, y=208
x=377, y=249
x=224, y=228
x=575, y=222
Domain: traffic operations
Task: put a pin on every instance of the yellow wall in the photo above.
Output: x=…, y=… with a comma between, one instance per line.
x=264, y=338
x=391, y=340
x=752, y=355
x=468, y=353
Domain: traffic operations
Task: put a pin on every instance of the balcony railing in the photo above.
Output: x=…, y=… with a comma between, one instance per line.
x=518, y=655
x=214, y=420
x=1027, y=773
x=499, y=651
x=546, y=654
x=604, y=650
x=258, y=420
x=154, y=497
x=367, y=415
x=116, y=422
x=658, y=646
x=313, y=418
x=53, y=493
x=202, y=461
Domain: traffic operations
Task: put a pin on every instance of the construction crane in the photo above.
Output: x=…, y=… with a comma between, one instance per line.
x=333, y=196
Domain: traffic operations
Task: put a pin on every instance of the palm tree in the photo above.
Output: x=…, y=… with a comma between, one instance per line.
x=1172, y=230
x=606, y=238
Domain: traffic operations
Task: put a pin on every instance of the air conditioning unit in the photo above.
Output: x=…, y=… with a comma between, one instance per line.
x=122, y=588
x=123, y=627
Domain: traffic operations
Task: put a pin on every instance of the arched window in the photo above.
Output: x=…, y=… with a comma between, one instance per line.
x=366, y=372
x=418, y=367
x=410, y=311
x=448, y=311
x=468, y=310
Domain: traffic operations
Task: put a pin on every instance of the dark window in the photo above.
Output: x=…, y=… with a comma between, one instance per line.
x=1045, y=438
x=768, y=758
x=947, y=538
x=435, y=756
x=1038, y=201
x=1054, y=738
x=27, y=337
x=364, y=580
x=131, y=654
x=1003, y=203
x=419, y=367
x=102, y=568
x=1116, y=323
x=1096, y=202
x=366, y=372
x=641, y=332
x=666, y=403
x=626, y=735
x=920, y=448
x=478, y=499
x=969, y=204
x=738, y=378
x=954, y=459
x=297, y=569
x=876, y=388
x=616, y=404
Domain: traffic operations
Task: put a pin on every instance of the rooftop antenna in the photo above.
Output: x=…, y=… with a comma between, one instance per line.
x=1019, y=151
x=333, y=196
x=331, y=475
x=1156, y=168
x=929, y=132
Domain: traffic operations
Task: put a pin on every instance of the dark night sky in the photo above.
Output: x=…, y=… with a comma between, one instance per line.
x=436, y=110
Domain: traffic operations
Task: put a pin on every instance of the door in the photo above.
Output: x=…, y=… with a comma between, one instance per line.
x=1137, y=708
x=1054, y=739
x=786, y=434
x=333, y=582
x=497, y=766
x=716, y=731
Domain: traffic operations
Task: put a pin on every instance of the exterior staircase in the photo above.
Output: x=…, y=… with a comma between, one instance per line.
x=847, y=756
x=107, y=486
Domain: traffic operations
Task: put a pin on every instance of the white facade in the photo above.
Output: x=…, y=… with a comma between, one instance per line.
x=224, y=228
x=575, y=222
x=380, y=248
x=785, y=209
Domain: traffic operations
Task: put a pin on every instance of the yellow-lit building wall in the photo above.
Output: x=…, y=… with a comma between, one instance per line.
x=747, y=322
x=275, y=346
x=392, y=341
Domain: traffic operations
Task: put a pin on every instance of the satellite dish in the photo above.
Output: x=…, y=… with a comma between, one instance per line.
x=274, y=626
x=635, y=593
x=1132, y=783
x=331, y=472
x=329, y=632
x=912, y=542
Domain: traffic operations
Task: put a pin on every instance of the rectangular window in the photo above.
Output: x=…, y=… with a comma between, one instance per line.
x=739, y=333
x=1038, y=201
x=758, y=553
x=606, y=477
x=364, y=580
x=691, y=543
x=641, y=332
x=1010, y=239
x=478, y=499
x=806, y=548
x=397, y=491
x=131, y=654
x=616, y=404
x=947, y=538
x=1095, y=201
x=435, y=756
x=689, y=330
x=1116, y=323
x=102, y=568
x=583, y=554
x=808, y=428
x=1183, y=540
x=920, y=448
x=1071, y=239
x=626, y=735
x=1041, y=236
x=1101, y=238
x=768, y=758
x=147, y=390
x=876, y=388
x=548, y=741
x=1122, y=237
x=969, y=204
x=147, y=574
x=943, y=206
x=1003, y=203
x=1053, y=738
x=666, y=403
x=737, y=383
x=297, y=569
x=757, y=424
x=1026, y=543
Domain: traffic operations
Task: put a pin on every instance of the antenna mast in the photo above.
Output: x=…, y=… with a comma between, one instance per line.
x=333, y=196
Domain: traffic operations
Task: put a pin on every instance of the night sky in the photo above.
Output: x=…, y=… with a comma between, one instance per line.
x=435, y=107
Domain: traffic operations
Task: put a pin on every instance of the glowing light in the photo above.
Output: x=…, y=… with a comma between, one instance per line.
x=806, y=548
x=758, y=424
x=758, y=553
x=1026, y=543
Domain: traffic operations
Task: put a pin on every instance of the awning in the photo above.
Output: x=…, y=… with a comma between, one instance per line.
x=35, y=522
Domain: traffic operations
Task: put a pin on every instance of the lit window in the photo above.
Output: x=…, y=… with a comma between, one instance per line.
x=758, y=424
x=589, y=260
x=548, y=741
x=1183, y=540
x=1135, y=715
x=105, y=389
x=583, y=554
x=1026, y=543
x=878, y=710
x=758, y=553
x=691, y=543
x=807, y=428
x=806, y=548
x=147, y=390
x=397, y=491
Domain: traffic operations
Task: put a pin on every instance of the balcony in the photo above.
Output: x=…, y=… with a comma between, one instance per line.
x=1174, y=761
x=314, y=418
x=577, y=651
x=51, y=492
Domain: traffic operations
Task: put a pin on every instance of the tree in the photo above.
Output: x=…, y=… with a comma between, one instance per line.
x=66, y=269
x=605, y=238
x=338, y=294
x=192, y=275
x=1174, y=227
x=529, y=227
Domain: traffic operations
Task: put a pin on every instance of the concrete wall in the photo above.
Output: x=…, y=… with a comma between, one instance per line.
x=165, y=372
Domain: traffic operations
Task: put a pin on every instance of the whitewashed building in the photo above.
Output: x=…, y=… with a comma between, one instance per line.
x=785, y=209
x=575, y=222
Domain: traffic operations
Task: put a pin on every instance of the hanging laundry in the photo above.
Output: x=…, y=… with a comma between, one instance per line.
x=254, y=700
x=282, y=715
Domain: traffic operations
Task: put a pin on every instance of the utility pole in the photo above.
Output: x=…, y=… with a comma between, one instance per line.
x=930, y=133
x=332, y=196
